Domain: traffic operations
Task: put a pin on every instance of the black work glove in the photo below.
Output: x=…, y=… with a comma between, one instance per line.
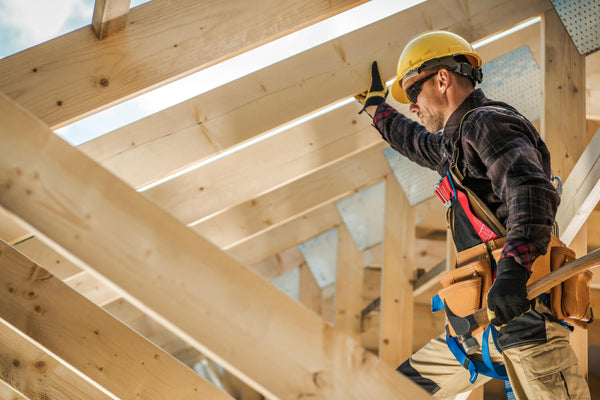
x=507, y=298
x=377, y=91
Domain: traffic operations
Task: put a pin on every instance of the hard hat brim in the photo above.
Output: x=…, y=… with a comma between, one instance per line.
x=398, y=92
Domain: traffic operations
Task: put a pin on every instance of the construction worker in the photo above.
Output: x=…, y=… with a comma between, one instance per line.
x=488, y=149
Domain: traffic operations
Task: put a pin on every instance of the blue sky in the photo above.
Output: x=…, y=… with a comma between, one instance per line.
x=26, y=23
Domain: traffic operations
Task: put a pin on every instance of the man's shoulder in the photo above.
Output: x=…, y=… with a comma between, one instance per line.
x=491, y=112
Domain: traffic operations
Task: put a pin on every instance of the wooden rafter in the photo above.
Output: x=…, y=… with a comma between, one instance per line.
x=110, y=16
x=95, y=290
x=266, y=99
x=29, y=369
x=305, y=226
x=75, y=75
x=188, y=284
x=285, y=203
x=9, y=392
x=100, y=346
x=48, y=258
x=581, y=192
x=275, y=161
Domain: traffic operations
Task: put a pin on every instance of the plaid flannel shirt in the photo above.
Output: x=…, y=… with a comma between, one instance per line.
x=502, y=158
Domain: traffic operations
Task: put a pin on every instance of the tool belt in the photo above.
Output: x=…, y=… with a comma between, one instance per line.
x=479, y=237
x=465, y=288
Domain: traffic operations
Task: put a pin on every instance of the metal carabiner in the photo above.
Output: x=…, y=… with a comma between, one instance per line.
x=557, y=182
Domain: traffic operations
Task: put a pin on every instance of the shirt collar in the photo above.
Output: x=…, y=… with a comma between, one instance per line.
x=473, y=100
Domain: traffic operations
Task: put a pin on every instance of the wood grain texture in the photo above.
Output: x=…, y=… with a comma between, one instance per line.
x=110, y=16
x=185, y=282
x=348, y=285
x=397, y=299
x=75, y=75
x=581, y=192
x=33, y=372
x=265, y=166
x=285, y=203
x=87, y=337
x=266, y=99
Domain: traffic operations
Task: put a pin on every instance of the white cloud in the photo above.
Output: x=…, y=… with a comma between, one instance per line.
x=34, y=21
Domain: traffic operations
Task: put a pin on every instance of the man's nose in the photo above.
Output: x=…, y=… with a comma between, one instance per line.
x=413, y=108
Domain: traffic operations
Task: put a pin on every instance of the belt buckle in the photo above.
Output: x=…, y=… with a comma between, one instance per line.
x=440, y=195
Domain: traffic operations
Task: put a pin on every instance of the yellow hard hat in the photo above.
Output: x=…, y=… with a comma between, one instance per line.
x=431, y=49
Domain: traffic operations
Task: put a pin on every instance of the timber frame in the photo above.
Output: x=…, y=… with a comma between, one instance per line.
x=120, y=282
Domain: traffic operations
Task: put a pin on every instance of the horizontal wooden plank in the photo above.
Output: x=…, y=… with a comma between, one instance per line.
x=178, y=277
x=75, y=75
x=271, y=97
x=280, y=238
x=92, y=288
x=311, y=223
x=48, y=258
x=11, y=229
x=267, y=211
x=89, y=338
x=266, y=165
x=429, y=278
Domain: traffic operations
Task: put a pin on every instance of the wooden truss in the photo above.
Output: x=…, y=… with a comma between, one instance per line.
x=115, y=276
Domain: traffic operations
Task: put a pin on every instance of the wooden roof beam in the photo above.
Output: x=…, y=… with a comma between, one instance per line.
x=269, y=210
x=309, y=224
x=9, y=392
x=162, y=264
x=288, y=234
x=581, y=191
x=110, y=16
x=217, y=120
x=228, y=181
x=33, y=372
x=75, y=75
x=89, y=338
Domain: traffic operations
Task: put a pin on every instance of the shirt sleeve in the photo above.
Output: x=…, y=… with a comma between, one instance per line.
x=509, y=150
x=408, y=137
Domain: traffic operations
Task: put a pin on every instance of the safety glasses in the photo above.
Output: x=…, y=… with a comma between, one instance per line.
x=414, y=90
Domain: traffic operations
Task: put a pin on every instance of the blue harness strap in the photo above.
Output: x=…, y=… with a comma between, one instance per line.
x=497, y=371
x=436, y=303
x=509, y=391
x=487, y=368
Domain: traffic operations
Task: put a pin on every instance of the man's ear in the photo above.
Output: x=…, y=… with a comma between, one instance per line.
x=443, y=80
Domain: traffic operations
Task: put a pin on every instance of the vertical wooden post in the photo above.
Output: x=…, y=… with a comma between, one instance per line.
x=349, y=284
x=397, y=301
x=579, y=337
x=563, y=119
x=310, y=292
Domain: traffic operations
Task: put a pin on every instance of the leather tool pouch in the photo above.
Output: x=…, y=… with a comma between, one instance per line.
x=570, y=301
x=465, y=288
